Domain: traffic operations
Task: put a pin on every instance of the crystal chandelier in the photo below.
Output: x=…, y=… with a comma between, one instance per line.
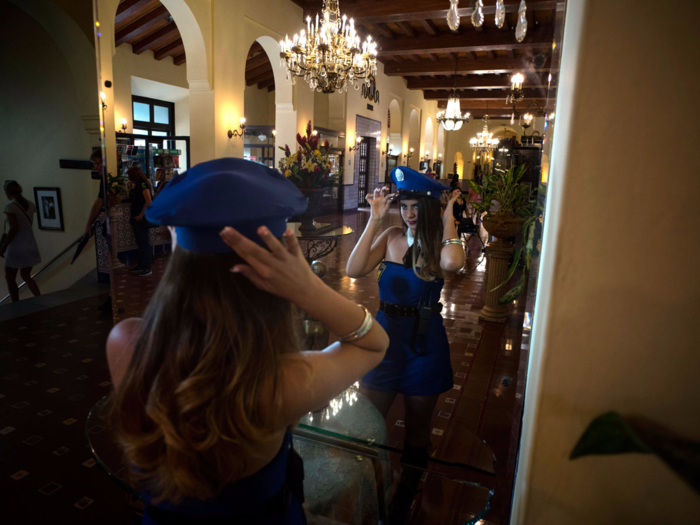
x=478, y=17
x=452, y=118
x=484, y=141
x=329, y=56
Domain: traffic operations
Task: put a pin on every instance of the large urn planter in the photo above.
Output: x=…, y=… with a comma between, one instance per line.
x=313, y=210
x=502, y=227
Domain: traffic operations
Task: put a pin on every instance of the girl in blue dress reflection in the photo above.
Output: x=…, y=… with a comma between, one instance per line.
x=413, y=260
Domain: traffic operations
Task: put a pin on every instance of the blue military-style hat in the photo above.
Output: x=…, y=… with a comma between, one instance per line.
x=225, y=192
x=412, y=182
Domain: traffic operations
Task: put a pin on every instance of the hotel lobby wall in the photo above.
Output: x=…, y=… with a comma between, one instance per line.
x=615, y=325
x=42, y=122
x=259, y=106
x=125, y=65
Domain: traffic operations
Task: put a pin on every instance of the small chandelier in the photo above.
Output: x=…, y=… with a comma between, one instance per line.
x=329, y=57
x=452, y=118
x=515, y=94
x=484, y=141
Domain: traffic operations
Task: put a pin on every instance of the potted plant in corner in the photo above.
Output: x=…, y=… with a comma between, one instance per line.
x=310, y=171
x=514, y=208
x=116, y=189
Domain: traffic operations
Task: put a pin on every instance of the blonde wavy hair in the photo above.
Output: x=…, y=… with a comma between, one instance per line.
x=202, y=388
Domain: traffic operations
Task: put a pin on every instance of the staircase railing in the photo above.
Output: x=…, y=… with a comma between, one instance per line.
x=56, y=258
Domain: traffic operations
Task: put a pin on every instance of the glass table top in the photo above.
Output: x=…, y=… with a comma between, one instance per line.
x=323, y=229
x=344, y=482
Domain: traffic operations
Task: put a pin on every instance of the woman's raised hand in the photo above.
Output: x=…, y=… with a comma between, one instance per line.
x=281, y=271
x=451, y=197
x=380, y=202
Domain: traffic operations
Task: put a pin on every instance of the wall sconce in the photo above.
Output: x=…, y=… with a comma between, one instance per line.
x=408, y=155
x=358, y=140
x=235, y=132
x=440, y=156
x=314, y=133
x=388, y=151
x=123, y=121
x=426, y=157
x=103, y=96
x=274, y=132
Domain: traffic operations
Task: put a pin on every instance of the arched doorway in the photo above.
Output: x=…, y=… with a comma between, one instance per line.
x=459, y=164
x=259, y=107
x=413, y=138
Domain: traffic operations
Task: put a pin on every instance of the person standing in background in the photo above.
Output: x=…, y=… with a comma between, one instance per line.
x=140, y=196
x=19, y=247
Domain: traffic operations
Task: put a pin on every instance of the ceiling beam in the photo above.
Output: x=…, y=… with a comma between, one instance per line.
x=493, y=40
x=407, y=30
x=173, y=48
x=266, y=83
x=257, y=61
x=155, y=40
x=473, y=82
x=481, y=95
x=494, y=105
x=373, y=12
x=267, y=75
x=257, y=71
x=447, y=67
x=141, y=26
x=430, y=27
x=128, y=8
x=179, y=59
x=383, y=30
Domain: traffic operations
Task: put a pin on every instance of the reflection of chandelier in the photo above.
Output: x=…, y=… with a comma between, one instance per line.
x=329, y=57
x=452, y=118
x=484, y=141
x=515, y=94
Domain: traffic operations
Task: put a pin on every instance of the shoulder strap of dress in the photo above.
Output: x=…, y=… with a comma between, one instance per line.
x=23, y=210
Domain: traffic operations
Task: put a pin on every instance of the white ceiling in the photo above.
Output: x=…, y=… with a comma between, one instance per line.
x=149, y=88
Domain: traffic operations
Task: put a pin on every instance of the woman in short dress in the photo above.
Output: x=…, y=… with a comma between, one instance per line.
x=20, y=250
x=412, y=261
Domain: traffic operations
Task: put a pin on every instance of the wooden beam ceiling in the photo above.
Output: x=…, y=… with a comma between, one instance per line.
x=258, y=69
x=464, y=65
x=473, y=82
x=481, y=94
x=492, y=40
x=147, y=25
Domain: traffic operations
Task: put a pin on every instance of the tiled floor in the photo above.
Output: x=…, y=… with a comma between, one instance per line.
x=42, y=449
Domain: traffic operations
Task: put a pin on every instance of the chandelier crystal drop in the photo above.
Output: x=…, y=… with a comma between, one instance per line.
x=328, y=55
x=453, y=16
x=521, y=28
x=484, y=141
x=500, y=14
x=478, y=14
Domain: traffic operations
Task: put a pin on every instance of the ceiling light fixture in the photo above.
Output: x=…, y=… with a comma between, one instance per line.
x=484, y=141
x=452, y=118
x=329, y=57
x=453, y=16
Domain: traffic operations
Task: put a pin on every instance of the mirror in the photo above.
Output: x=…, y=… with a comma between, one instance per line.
x=52, y=126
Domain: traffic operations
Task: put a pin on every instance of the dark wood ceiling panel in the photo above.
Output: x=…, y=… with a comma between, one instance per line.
x=157, y=39
x=262, y=77
x=464, y=65
x=147, y=25
x=482, y=94
x=473, y=82
x=174, y=48
x=143, y=26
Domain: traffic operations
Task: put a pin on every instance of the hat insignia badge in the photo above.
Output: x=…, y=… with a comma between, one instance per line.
x=399, y=175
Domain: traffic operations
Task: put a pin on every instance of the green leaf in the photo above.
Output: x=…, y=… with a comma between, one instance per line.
x=511, y=270
x=514, y=292
x=608, y=434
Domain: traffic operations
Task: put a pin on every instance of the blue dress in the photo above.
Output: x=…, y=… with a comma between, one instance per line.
x=260, y=499
x=414, y=365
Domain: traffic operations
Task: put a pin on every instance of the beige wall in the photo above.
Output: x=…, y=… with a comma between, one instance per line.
x=259, y=111
x=616, y=325
x=41, y=123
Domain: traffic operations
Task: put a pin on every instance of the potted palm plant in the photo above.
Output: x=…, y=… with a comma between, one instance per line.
x=309, y=170
x=514, y=209
x=116, y=189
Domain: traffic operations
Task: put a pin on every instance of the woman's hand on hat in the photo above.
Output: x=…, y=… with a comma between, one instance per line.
x=380, y=201
x=281, y=271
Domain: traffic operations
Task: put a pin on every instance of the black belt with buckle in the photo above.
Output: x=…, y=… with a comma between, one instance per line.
x=397, y=310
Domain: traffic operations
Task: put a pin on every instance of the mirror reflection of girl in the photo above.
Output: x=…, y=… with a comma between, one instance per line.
x=19, y=249
x=414, y=259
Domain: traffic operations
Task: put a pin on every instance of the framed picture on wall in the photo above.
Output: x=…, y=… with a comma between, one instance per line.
x=48, y=208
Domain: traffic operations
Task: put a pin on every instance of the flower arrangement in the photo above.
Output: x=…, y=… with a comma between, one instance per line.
x=308, y=168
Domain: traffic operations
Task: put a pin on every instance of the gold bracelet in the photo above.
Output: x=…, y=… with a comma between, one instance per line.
x=452, y=241
x=362, y=330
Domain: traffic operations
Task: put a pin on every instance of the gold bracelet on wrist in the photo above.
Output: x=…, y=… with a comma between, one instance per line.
x=452, y=241
x=361, y=331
